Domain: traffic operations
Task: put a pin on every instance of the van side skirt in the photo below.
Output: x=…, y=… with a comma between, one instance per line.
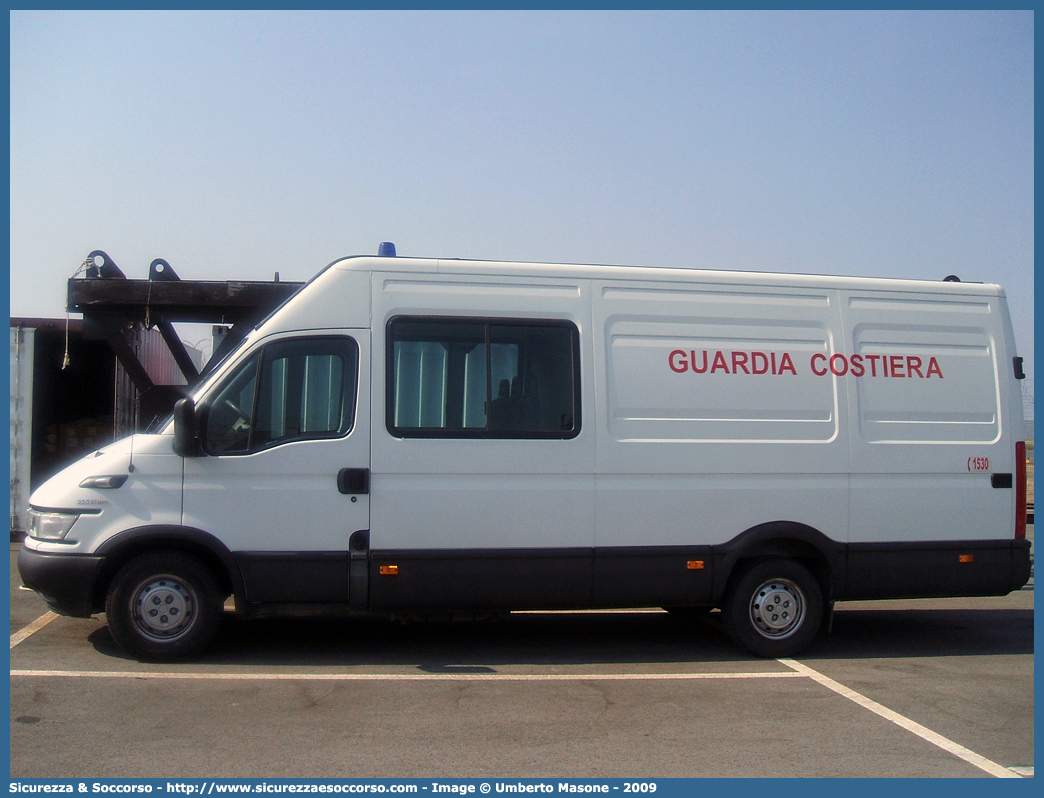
x=936, y=570
x=491, y=580
x=294, y=577
x=480, y=579
x=506, y=579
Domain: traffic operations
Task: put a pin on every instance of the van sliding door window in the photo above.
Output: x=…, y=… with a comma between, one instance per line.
x=291, y=390
x=478, y=378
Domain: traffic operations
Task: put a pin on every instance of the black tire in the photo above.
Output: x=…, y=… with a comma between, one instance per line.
x=164, y=606
x=773, y=608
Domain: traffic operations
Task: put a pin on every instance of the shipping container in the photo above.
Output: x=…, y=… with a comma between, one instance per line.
x=70, y=396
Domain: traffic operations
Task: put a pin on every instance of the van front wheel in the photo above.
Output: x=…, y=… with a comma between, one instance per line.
x=774, y=608
x=163, y=606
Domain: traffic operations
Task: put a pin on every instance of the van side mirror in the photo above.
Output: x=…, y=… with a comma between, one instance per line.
x=186, y=429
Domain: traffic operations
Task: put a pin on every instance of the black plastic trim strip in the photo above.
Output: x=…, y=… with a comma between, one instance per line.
x=489, y=579
x=290, y=577
x=66, y=581
x=574, y=578
x=936, y=570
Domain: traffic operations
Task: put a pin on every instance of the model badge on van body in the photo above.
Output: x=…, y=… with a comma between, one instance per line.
x=412, y=437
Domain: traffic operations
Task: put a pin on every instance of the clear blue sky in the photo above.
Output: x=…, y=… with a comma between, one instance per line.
x=239, y=144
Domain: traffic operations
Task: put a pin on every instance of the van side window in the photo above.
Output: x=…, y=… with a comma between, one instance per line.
x=291, y=390
x=483, y=378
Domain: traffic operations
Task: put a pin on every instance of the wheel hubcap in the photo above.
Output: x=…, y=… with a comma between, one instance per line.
x=777, y=608
x=164, y=607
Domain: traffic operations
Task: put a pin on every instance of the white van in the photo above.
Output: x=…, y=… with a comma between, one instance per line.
x=410, y=437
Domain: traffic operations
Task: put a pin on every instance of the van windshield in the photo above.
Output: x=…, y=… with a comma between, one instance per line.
x=162, y=424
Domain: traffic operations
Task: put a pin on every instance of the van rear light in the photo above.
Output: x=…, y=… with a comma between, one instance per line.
x=1020, y=490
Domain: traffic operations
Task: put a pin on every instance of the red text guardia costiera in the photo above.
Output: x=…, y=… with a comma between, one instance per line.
x=719, y=361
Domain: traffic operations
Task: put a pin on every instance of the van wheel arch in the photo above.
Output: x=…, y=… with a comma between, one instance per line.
x=789, y=540
x=204, y=547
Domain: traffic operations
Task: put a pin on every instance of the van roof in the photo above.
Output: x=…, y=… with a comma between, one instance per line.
x=459, y=266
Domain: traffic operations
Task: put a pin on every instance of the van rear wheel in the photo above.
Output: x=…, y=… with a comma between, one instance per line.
x=163, y=606
x=774, y=608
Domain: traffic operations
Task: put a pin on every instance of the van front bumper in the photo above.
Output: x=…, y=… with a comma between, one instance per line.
x=66, y=581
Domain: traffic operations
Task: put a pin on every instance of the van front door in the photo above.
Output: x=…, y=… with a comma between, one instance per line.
x=284, y=482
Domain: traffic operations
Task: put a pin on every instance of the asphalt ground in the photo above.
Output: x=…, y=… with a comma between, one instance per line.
x=927, y=688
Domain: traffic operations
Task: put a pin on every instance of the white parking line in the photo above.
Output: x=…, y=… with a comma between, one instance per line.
x=402, y=677
x=32, y=628
x=797, y=670
x=911, y=726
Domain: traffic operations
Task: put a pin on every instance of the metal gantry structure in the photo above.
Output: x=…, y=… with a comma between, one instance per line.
x=114, y=305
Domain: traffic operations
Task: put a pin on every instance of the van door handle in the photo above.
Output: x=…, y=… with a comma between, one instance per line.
x=353, y=480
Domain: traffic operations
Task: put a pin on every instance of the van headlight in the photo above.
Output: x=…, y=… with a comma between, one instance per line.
x=49, y=525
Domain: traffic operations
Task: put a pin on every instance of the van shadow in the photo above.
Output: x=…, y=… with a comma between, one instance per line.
x=591, y=638
x=910, y=633
x=459, y=646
